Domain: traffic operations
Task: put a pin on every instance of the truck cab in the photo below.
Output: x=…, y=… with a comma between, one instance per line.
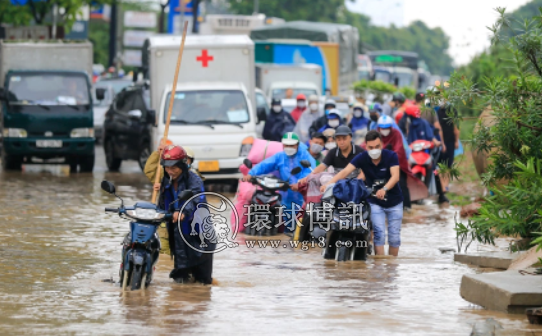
x=46, y=103
x=45, y=115
x=214, y=105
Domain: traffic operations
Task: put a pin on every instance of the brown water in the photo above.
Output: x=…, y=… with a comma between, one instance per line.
x=57, y=246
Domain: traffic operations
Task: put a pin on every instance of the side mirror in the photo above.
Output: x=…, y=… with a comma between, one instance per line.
x=262, y=115
x=296, y=171
x=151, y=117
x=247, y=163
x=305, y=163
x=108, y=187
x=185, y=195
x=135, y=114
x=3, y=95
x=100, y=93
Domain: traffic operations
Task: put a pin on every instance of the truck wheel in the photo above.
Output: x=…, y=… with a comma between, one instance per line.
x=10, y=162
x=86, y=164
x=113, y=163
x=144, y=156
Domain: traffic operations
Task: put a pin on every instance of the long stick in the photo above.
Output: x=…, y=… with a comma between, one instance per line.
x=170, y=108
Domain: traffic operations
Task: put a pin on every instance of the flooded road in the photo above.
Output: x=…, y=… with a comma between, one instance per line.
x=57, y=246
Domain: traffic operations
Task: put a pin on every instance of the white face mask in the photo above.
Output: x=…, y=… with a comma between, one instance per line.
x=375, y=153
x=333, y=123
x=301, y=104
x=316, y=148
x=358, y=113
x=330, y=145
x=385, y=132
x=314, y=107
x=277, y=108
x=290, y=151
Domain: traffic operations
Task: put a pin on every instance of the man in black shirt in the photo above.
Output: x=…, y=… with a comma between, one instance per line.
x=339, y=157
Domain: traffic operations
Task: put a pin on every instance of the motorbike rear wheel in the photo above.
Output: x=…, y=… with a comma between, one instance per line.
x=125, y=278
x=342, y=253
x=144, y=281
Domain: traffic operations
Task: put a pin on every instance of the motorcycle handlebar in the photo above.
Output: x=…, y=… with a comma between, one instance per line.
x=111, y=210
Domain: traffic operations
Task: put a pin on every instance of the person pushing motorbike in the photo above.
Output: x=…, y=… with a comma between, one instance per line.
x=284, y=162
x=188, y=262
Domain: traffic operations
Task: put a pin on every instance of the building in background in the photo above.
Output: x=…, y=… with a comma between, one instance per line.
x=383, y=13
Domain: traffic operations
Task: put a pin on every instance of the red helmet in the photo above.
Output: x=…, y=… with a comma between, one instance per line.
x=173, y=155
x=301, y=97
x=413, y=110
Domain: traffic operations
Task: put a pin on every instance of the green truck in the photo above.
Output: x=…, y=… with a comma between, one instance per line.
x=45, y=103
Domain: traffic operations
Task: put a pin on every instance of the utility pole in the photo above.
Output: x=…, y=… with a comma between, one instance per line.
x=256, y=7
x=113, y=34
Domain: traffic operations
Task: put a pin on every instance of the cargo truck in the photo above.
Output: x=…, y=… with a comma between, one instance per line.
x=46, y=104
x=214, y=108
x=275, y=79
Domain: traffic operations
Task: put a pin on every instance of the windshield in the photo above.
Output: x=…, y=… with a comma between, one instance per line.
x=364, y=74
x=404, y=79
x=382, y=76
x=48, y=89
x=107, y=97
x=116, y=85
x=221, y=106
x=281, y=93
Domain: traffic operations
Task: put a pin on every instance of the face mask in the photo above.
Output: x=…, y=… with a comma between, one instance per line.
x=314, y=107
x=316, y=148
x=385, y=132
x=333, y=123
x=301, y=104
x=331, y=145
x=375, y=153
x=374, y=117
x=290, y=151
x=277, y=108
x=358, y=113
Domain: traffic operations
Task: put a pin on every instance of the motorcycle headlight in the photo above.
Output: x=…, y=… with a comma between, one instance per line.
x=15, y=133
x=82, y=133
x=246, y=146
x=145, y=214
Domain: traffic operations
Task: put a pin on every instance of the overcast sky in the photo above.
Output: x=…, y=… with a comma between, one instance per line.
x=465, y=21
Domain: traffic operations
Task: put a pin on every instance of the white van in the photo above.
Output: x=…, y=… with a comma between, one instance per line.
x=214, y=109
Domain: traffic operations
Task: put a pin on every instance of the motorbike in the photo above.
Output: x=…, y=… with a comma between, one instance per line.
x=349, y=235
x=423, y=161
x=268, y=193
x=141, y=248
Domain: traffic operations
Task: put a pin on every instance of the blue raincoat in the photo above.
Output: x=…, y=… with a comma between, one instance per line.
x=358, y=123
x=284, y=164
x=419, y=130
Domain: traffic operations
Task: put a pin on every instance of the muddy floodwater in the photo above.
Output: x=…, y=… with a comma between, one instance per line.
x=57, y=246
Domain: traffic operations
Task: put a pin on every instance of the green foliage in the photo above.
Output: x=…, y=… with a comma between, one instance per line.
x=431, y=44
x=380, y=89
x=11, y=14
x=308, y=10
x=408, y=91
x=515, y=138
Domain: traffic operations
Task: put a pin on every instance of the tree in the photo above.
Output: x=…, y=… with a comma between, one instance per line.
x=515, y=138
x=12, y=14
x=67, y=9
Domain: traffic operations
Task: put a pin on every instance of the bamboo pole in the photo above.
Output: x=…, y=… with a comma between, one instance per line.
x=170, y=109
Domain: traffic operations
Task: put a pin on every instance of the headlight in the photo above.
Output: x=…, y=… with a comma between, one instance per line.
x=82, y=133
x=145, y=214
x=245, y=149
x=15, y=133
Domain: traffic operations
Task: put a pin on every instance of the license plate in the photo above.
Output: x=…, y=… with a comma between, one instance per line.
x=208, y=166
x=49, y=143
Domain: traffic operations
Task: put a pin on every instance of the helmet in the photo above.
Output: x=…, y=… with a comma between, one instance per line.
x=330, y=102
x=301, y=97
x=358, y=105
x=276, y=101
x=343, y=130
x=189, y=153
x=376, y=107
x=398, y=97
x=413, y=111
x=385, y=122
x=290, y=138
x=420, y=96
x=314, y=98
x=173, y=156
x=335, y=113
